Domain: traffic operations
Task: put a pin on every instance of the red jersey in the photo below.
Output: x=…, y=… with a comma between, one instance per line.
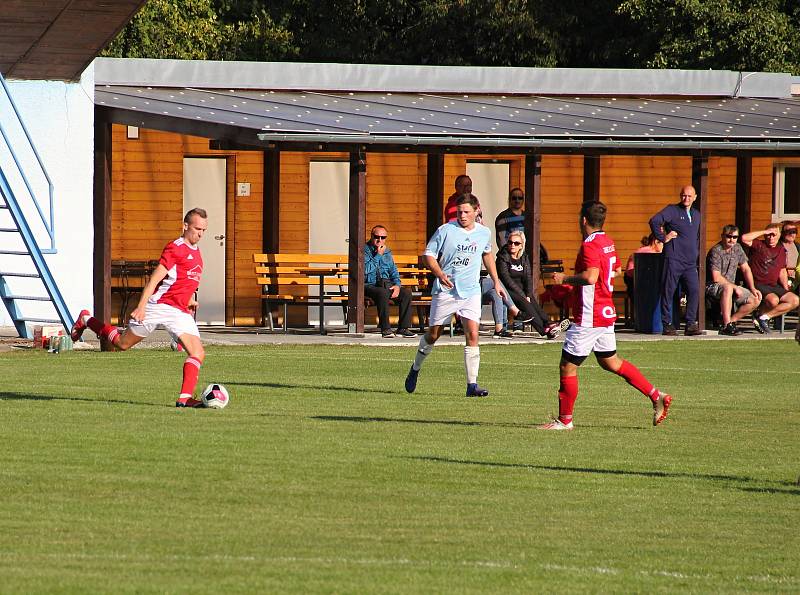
x=592, y=305
x=184, y=266
x=451, y=209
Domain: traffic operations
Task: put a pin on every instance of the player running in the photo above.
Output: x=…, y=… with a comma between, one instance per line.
x=593, y=323
x=168, y=301
x=454, y=254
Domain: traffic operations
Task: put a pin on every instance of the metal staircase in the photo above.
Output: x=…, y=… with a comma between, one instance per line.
x=27, y=287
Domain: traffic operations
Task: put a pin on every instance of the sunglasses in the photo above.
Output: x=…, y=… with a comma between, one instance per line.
x=731, y=237
x=789, y=231
x=516, y=243
x=517, y=198
x=379, y=237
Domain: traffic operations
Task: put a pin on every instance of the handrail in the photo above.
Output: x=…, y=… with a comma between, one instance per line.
x=49, y=227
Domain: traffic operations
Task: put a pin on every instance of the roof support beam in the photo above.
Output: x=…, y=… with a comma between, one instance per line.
x=435, y=192
x=355, y=250
x=101, y=277
x=271, y=203
x=591, y=178
x=533, y=203
x=744, y=191
x=700, y=183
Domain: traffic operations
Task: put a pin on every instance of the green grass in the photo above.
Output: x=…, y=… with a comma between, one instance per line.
x=324, y=476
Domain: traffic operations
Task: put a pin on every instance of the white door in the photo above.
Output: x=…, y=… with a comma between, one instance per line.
x=328, y=221
x=490, y=183
x=204, y=186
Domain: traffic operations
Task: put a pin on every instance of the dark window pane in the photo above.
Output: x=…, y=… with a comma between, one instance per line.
x=791, y=190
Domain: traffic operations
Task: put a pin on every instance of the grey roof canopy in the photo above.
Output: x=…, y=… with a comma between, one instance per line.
x=461, y=107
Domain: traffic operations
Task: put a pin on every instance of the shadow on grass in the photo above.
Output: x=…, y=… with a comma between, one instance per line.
x=444, y=422
x=7, y=396
x=348, y=389
x=789, y=489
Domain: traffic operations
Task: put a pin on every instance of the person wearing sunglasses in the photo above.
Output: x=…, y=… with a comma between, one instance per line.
x=768, y=262
x=724, y=259
x=382, y=283
x=514, y=270
x=792, y=247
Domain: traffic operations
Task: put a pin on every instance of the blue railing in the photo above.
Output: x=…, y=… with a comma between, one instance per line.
x=47, y=221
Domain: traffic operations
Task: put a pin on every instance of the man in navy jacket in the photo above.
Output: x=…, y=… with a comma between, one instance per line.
x=678, y=226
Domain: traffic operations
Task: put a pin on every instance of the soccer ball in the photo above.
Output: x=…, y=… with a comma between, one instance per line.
x=215, y=397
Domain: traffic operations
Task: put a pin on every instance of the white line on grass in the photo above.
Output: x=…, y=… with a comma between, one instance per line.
x=501, y=564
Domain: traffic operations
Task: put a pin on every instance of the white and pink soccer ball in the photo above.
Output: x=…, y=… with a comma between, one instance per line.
x=215, y=397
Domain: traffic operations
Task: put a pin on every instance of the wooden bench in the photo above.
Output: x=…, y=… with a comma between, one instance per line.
x=285, y=278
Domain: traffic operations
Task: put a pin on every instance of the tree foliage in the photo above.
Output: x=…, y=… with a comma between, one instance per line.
x=724, y=34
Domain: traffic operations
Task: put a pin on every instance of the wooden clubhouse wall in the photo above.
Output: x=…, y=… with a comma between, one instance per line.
x=147, y=205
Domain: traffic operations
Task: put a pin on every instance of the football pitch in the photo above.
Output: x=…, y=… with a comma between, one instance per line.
x=324, y=476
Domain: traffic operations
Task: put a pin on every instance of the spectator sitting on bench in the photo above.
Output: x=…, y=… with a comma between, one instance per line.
x=514, y=270
x=768, y=262
x=723, y=260
x=382, y=283
x=792, y=247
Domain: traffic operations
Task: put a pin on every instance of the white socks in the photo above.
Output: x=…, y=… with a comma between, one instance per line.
x=422, y=352
x=472, y=361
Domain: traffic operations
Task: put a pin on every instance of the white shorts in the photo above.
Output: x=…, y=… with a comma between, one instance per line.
x=581, y=341
x=444, y=305
x=174, y=321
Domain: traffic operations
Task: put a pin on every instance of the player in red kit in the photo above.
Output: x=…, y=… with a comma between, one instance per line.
x=167, y=301
x=592, y=328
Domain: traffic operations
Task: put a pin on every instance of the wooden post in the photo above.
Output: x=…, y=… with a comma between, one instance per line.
x=358, y=224
x=591, y=178
x=744, y=191
x=102, y=216
x=271, y=203
x=435, y=193
x=533, y=206
x=700, y=183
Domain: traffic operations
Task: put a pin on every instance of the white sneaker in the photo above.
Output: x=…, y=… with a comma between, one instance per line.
x=556, y=424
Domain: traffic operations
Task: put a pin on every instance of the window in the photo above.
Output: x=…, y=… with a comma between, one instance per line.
x=787, y=193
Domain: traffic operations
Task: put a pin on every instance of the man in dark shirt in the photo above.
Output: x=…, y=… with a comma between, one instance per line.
x=768, y=262
x=678, y=226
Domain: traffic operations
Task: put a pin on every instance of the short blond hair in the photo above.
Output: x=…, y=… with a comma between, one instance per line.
x=521, y=234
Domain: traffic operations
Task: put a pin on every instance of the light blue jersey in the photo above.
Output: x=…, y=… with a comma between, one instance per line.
x=460, y=253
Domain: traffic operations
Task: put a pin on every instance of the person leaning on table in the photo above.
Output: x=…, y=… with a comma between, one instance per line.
x=382, y=283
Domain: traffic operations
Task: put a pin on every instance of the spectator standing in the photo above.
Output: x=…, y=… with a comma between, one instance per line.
x=723, y=260
x=768, y=262
x=512, y=219
x=677, y=226
x=166, y=301
x=454, y=255
x=382, y=283
x=463, y=184
x=593, y=327
x=514, y=271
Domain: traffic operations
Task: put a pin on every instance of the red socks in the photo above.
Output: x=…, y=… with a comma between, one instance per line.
x=637, y=380
x=567, y=393
x=191, y=371
x=103, y=330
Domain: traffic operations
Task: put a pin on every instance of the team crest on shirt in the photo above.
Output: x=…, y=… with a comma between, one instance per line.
x=195, y=273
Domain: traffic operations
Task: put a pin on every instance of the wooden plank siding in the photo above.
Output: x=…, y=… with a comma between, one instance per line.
x=148, y=201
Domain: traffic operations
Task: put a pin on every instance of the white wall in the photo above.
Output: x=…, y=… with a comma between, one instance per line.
x=60, y=119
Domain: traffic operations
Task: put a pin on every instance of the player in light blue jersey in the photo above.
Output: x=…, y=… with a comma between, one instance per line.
x=454, y=255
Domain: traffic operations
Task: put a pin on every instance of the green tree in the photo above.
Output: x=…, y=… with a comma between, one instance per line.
x=722, y=34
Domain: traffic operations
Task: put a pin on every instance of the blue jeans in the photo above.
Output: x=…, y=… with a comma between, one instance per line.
x=499, y=308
